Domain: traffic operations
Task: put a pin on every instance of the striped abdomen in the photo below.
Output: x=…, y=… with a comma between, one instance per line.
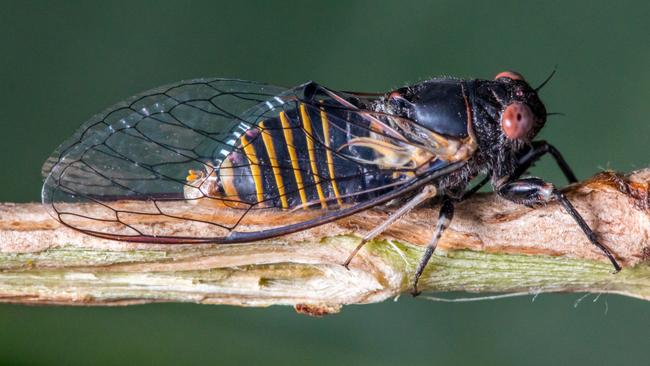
x=294, y=160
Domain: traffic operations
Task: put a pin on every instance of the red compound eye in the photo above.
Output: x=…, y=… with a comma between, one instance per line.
x=517, y=120
x=510, y=75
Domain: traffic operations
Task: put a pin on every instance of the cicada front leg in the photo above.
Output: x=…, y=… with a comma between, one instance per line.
x=535, y=191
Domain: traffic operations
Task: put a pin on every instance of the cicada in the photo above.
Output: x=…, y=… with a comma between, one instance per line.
x=244, y=149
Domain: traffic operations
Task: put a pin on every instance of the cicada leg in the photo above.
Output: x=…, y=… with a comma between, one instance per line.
x=535, y=191
x=427, y=193
x=539, y=149
x=444, y=219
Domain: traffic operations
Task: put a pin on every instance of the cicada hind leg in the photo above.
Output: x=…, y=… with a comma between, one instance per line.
x=444, y=219
x=427, y=193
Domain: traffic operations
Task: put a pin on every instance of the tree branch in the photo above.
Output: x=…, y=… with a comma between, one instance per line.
x=491, y=246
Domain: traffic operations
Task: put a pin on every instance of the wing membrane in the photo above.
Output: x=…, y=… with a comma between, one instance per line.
x=124, y=174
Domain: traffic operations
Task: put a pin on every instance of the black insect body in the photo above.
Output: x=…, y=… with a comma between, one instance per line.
x=183, y=151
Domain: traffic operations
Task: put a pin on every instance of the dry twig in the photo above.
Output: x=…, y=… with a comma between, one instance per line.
x=492, y=246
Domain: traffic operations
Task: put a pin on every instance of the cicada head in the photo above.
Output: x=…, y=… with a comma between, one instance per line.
x=521, y=114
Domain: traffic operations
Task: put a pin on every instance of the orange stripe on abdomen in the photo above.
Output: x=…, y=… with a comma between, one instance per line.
x=267, y=138
x=330, y=158
x=256, y=172
x=288, y=137
x=309, y=136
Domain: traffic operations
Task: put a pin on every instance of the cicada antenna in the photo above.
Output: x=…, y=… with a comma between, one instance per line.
x=548, y=78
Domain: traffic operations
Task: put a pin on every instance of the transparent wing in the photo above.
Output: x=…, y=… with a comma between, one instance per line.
x=152, y=168
x=200, y=108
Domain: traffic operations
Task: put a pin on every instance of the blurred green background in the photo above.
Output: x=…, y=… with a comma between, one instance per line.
x=62, y=62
